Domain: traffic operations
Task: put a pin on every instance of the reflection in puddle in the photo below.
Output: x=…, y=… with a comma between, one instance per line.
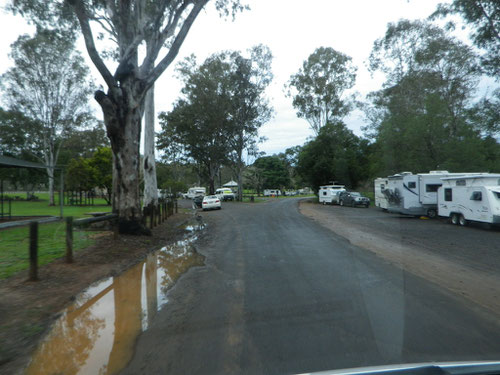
x=96, y=335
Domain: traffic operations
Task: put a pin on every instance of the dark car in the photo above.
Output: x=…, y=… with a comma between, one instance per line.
x=353, y=198
x=197, y=201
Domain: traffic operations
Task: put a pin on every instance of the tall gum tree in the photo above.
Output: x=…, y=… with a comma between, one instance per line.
x=319, y=88
x=48, y=83
x=160, y=27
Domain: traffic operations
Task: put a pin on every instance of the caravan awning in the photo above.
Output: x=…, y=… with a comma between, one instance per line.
x=230, y=184
x=8, y=162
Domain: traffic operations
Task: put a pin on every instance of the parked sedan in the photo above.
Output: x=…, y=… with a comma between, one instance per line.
x=353, y=198
x=211, y=202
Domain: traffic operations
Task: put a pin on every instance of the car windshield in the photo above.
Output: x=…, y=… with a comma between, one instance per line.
x=248, y=186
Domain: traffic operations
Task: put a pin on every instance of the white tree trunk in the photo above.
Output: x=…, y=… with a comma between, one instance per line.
x=50, y=173
x=149, y=167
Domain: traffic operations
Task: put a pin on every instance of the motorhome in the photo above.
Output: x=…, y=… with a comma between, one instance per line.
x=416, y=194
x=470, y=198
x=272, y=192
x=195, y=191
x=380, y=185
x=328, y=194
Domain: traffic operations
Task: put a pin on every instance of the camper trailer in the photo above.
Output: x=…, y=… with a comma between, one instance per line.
x=328, y=194
x=380, y=184
x=470, y=198
x=416, y=194
x=272, y=192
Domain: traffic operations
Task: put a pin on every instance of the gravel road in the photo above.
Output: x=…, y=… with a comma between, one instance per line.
x=282, y=293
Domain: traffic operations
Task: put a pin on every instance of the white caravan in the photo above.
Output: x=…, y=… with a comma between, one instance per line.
x=416, y=194
x=328, y=194
x=470, y=198
x=380, y=184
x=272, y=192
x=195, y=191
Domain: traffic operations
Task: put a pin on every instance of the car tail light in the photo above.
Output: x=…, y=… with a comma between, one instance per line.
x=204, y=202
x=217, y=201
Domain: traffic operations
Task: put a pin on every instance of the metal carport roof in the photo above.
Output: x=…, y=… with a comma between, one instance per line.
x=8, y=162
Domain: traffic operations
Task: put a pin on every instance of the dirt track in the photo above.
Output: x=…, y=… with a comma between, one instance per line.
x=466, y=261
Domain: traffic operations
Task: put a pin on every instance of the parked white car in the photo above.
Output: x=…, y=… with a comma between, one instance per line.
x=211, y=202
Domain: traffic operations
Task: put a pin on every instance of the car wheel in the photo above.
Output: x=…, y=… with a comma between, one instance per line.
x=353, y=204
x=462, y=221
x=341, y=202
x=454, y=219
x=220, y=208
x=367, y=205
x=324, y=203
x=431, y=213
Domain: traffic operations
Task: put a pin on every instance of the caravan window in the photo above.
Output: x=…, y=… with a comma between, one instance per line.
x=324, y=193
x=460, y=182
x=448, y=195
x=412, y=185
x=476, y=196
x=382, y=186
x=432, y=188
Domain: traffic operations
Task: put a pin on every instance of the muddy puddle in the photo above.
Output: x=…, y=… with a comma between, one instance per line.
x=97, y=334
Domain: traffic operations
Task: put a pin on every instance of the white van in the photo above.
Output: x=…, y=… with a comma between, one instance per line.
x=225, y=194
x=195, y=191
x=470, y=198
x=329, y=194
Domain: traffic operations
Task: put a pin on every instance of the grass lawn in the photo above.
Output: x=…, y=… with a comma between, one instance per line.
x=14, y=242
x=41, y=207
x=14, y=246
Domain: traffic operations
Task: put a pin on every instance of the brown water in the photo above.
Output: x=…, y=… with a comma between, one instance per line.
x=96, y=335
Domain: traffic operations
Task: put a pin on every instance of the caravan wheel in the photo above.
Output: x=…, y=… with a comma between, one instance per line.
x=431, y=213
x=454, y=219
x=462, y=221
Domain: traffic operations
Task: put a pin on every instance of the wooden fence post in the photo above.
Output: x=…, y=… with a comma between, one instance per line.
x=176, y=207
x=160, y=213
x=69, y=239
x=33, y=251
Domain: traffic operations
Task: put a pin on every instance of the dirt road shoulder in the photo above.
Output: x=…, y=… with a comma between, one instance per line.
x=477, y=286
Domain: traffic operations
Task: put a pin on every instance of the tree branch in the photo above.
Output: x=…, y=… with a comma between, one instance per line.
x=174, y=49
x=83, y=19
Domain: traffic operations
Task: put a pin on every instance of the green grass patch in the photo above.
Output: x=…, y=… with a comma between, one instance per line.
x=369, y=194
x=41, y=207
x=14, y=246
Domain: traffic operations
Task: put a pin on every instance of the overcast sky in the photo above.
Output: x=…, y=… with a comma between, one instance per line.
x=292, y=29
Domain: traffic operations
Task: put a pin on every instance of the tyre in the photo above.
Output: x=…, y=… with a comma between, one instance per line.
x=324, y=203
x=367, y=205
x=431, y=213
x=341, y=202
x=353, y=204
x=454, y=219
x=462, y=221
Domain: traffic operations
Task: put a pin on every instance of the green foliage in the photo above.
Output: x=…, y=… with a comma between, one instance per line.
x=102, y=165
x=336, y=154
x=80, y=175
x=222, y=109
x=272, y=173
x=318, y=87
x=422, y=119
x=484, y=18
x=174, y=187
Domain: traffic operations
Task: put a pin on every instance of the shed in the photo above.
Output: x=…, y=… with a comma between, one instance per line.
x=230, y=184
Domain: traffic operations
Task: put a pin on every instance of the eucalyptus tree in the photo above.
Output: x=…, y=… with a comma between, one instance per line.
x=160, y=27
x=199, y=127
x=250, y=109
x=420, y=115
x=484, y=18
x=319, y=88
x=49, y=84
